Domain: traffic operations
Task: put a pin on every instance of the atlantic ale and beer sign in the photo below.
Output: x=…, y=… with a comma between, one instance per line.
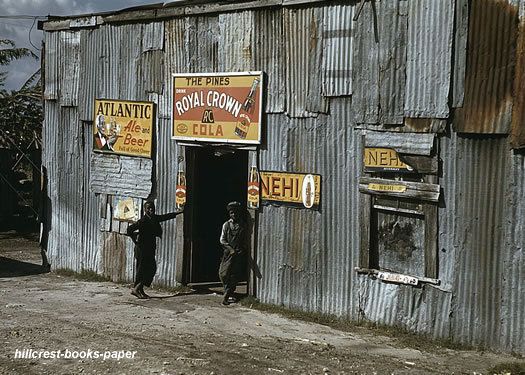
x=296, y=189
x=218, y=107
x=123, y=127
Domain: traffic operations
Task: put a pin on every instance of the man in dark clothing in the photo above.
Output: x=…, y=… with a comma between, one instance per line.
x=234, y=241
x=144, y=234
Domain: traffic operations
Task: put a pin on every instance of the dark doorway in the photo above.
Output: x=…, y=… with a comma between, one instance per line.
x=217, y=176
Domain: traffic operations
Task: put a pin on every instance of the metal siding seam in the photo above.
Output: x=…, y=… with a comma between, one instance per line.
x=268, y=52
x=89, y=60
x=166, y=174
x=235, y=42
x=69, y=62
x=460, y=52
x=365, y=72
x=392, y=61
x=153, y=36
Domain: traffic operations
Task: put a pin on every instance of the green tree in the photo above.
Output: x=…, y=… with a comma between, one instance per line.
x=20, y=110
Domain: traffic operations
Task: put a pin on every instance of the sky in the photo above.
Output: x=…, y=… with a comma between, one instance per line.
x=25, y=34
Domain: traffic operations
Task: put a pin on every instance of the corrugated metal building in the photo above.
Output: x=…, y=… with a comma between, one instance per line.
x=437, y=81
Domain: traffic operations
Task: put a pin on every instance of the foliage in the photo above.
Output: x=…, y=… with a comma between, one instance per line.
x=20, y=110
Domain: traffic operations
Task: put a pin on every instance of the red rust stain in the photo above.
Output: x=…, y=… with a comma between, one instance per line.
x=419, y=125
x=491, y=59
x=517, y=138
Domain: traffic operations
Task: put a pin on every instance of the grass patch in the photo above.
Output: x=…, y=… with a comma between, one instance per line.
x=180, y=289
x=399, y=334
x=508, y=368
x=84, y=275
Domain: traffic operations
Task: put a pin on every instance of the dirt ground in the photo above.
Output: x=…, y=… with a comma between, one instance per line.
x=183, y=333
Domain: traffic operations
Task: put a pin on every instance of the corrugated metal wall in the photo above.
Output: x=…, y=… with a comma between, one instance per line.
x=326, y=76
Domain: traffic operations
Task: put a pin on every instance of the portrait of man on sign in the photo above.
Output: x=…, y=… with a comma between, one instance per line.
x=107, y=134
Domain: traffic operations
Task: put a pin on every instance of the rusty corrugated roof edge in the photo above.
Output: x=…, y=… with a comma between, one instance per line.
x=165, y=10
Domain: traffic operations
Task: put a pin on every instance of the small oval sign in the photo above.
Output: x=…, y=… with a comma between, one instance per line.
x=308, y=191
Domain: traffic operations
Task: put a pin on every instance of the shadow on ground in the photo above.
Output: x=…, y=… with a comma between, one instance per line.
x=16, y=268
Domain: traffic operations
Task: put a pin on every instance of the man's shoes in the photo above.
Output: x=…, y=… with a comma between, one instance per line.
x=225, y=302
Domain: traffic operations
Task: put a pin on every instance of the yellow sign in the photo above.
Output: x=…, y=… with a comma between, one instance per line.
x=383, y=160
x=387, y=188
x=218, y=107
x=123, y=127
x=292, y=188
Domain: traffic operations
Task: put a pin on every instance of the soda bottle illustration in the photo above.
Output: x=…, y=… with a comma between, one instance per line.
x=248, y=106
x=253, y=188
x=180, y=191
x=249, y=102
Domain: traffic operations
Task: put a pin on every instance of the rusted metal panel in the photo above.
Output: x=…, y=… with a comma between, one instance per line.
x=69, y=62
x=424, y=125
x=52, y=77
x=292, y=144
x=121, y=175
x=406, y=143
x=482, y=166
x=166, y=177
x=392, y=30
x=430, y=29
x=236, y=42
x=492, y=37
x=114, y=256
x=153, y=36
x=517, y=133
x=268, y=55
x=337, y=50
x=303, y=53
x=365, y=72
x=460, y=52
x=203, y=44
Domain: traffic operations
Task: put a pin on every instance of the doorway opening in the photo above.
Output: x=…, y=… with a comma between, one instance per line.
x=216, y=176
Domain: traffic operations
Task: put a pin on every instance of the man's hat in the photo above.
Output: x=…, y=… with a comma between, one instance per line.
x=233, y=206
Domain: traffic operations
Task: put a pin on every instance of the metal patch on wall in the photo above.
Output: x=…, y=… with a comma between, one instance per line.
x=295, y=189
x=123, y=127
x=218, y=107
x=383, y=160
x=126, y=209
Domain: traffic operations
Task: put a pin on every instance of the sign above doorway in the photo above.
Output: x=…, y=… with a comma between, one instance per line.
x=218, y=107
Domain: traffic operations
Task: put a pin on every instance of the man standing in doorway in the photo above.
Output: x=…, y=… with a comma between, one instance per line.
x=234, y=241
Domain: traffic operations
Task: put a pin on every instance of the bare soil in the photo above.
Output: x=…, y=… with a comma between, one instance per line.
x=185, y=333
